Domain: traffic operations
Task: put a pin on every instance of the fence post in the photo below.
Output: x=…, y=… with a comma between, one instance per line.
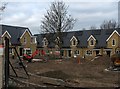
x=6, y=66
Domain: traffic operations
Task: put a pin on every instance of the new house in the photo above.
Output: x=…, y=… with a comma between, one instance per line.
x=85, y=43
x=20, y=37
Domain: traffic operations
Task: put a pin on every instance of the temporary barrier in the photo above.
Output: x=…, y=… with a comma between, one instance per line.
x=1, y=66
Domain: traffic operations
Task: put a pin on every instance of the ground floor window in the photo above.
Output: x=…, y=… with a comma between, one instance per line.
x=77, y=52
x=89, y=52
x=27, y=51
x=118, y=51
x=10, y=50
x=97, y=52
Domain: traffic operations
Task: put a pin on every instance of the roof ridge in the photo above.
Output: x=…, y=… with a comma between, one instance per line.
x=13, y=26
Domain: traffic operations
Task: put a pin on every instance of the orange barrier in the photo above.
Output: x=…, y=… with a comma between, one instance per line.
x=78, y=60
x=1, y=46
x=117, y=62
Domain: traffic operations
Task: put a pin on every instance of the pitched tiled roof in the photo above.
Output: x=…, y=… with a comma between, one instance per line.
x=82, y=37
x=14, y=31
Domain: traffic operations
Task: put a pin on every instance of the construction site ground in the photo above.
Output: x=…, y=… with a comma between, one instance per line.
x=66, y=73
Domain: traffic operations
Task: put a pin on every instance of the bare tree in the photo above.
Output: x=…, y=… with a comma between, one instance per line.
x=93, y=27
x=2, y=8
x=118, y=26
x=111, y=24
x=56, y=21
x=83, y=28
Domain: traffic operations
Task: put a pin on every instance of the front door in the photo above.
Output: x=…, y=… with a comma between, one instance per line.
x=21, y=51
x=108, y=53
x=97, y=52
x=69, y=53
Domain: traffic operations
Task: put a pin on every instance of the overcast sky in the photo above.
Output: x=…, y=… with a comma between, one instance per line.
x=87, y=12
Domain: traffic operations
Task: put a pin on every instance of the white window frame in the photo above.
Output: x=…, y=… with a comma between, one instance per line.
x=57, y=40
x=33, y=40
x=118, y=51
x=90, y=42
x=89, y=52
x=77, y=52
x=45, y=42
x=114, y=42
x=26, y=50
x=25, y=40
x=73, y=42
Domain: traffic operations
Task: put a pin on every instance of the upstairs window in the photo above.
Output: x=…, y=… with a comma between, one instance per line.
x=33, y=40
x=25, y=40
x=57, y=40
x=113, y=42
x=74, y=42
x=45, y=42
x=91, y=42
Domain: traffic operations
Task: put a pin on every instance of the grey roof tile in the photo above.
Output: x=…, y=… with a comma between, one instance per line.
x=14, y=31
x=82, y=36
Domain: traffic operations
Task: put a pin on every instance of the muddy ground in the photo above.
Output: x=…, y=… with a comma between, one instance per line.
x=84, y=74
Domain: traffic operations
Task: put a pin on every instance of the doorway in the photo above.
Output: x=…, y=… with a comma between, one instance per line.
x=69, y=53
x=97, y=52
x=108, y=53
x=21, y=51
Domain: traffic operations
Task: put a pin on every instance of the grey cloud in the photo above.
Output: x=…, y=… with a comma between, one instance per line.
x=87, y=13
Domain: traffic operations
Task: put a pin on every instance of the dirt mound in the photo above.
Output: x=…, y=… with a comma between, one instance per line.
x=102, y=61
x=55, y=74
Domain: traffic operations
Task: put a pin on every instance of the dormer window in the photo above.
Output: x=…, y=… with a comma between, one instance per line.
x=25, y=40
x=45, y=42
x=91, y=42
x=113, y=42
x=74, y=41
x=57, y=40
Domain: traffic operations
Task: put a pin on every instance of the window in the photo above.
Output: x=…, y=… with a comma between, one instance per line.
x=113, y=42
x=27, y=51
x=74, y=41
x=118, y=51
x=91, y=42
x=77, y=52
x=89, y=52
x=25, y=40
x=33, y=40
x=57, y=40
x=10, y=50
x=45, y=42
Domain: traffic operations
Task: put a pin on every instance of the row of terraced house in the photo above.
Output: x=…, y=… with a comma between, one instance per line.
x=83, y=43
